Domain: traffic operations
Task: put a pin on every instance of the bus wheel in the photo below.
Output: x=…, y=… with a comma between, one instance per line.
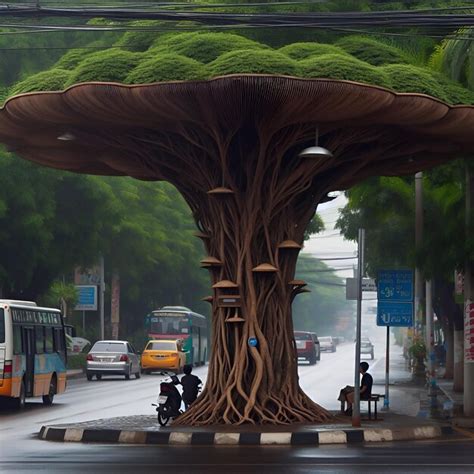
x=19, y=403
x=48, y=399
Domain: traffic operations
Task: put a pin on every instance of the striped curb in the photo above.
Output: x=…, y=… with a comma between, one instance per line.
x=205, y=438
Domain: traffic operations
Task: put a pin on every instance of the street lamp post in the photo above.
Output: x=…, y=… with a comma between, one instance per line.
x=360, y=272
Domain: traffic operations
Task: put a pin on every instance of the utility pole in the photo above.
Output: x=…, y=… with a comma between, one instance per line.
x=432, y=390
x=360, y=272
x=102, y=295
x=418, y=240
x=469, y=306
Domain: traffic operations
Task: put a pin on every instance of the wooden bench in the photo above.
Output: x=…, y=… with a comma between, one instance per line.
x=374, y=398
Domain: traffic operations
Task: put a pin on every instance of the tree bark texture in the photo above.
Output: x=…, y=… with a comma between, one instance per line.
x=231, y=146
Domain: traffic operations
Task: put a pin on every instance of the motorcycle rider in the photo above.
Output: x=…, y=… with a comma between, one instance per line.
x=190, y=385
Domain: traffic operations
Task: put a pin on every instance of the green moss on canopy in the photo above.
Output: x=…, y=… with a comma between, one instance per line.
x=205, y=47
x=254, y=61
x=73, y=57
x=108, y=66
x=51, y=80
x=455, y=93
x=201, y=55
x=407, y=78
x=336, y=66
x=140, y=40
x=372, y=51
x=300, y=51
x=167, y=67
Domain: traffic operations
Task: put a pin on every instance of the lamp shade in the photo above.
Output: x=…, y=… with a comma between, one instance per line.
x=315, y=152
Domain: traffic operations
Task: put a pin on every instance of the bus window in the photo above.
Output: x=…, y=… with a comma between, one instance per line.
x=2, y=325
x=17, y=340
x=58, y=340
x=49, y=346
x=39, y=338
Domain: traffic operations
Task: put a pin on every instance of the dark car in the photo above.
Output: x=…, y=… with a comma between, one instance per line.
x=318, y=347
x=307, y=346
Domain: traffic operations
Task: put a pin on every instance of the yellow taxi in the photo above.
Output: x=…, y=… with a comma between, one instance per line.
x=163, y=354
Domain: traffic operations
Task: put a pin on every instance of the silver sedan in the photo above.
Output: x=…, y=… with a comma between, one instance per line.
x=112, y=358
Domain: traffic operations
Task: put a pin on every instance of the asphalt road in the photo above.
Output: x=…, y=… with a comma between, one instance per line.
x=21, y=452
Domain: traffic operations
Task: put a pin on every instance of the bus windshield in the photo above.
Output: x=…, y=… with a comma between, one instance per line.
x=178, y=324
x=2, y=325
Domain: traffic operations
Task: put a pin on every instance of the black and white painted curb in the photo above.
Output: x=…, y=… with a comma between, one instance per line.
x=307, y=438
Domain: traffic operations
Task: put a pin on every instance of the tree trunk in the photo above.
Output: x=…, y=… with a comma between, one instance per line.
x=458, y=379
x=252, y=206
x=449, y=335
x=247, y=383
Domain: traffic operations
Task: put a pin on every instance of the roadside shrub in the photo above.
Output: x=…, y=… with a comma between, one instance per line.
x=108, y=66
x=335, y=66
x=51, y=80
x=300, y=51
x=167, y=67
x=254, y=61
x=76, y=361
x=372, y=51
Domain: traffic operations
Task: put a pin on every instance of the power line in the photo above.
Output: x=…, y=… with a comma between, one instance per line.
x=401, y=18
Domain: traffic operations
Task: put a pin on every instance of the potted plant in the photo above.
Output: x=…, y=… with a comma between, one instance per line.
x=417, y=352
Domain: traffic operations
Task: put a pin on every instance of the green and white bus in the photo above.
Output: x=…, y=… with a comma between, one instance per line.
x=180, y=323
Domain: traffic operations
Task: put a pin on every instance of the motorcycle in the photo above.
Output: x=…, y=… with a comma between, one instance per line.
x=169, y=399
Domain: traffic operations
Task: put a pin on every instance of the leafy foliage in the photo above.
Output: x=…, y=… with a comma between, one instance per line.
x=109, y=66
x=336, y=66
x=167, y=67
x=254, y=61
x=372, y=51
x=325, y=310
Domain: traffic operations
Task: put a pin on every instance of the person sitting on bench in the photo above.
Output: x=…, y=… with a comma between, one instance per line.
x=347, y=393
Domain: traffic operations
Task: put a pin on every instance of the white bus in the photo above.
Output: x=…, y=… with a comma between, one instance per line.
x=32, y=352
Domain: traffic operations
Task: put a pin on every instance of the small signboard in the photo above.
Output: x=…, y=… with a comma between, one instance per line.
x=395, y=285
x=368, y=284
x=87, y=298
x=395, y=298
x=394, y=313
x=469, y=332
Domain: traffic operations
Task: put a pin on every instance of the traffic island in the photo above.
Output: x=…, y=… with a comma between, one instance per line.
x=145, y=430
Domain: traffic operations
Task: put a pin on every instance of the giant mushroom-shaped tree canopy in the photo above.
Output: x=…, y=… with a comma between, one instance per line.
x=225, y=123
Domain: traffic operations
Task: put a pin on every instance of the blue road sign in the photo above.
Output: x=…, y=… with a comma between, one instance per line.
x=395, y=285
x=395, y=313
x=87, y=300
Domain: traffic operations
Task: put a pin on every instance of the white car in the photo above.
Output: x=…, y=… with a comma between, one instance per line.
x=76, y=344
x=327, y=344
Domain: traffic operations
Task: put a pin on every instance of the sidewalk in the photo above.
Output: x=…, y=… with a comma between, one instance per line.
x=407, y=419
